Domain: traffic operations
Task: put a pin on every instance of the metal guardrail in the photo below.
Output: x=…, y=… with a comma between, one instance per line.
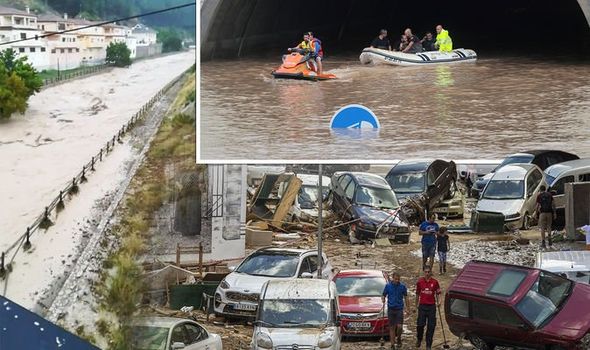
x=77, y=74
x=43, y=221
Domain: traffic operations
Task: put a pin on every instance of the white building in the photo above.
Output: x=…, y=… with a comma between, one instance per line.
x=145, y=36
x=92, y=40
x=64, y=50
x=131, y=42
x=16, y=25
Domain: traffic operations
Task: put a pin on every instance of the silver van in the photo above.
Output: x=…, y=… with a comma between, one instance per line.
x=558, y=175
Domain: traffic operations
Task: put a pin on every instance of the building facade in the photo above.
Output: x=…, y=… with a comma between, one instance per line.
x=81, y=47
x=16, y=25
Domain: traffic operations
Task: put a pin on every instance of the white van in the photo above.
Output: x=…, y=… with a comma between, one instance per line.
x=297, y=314
x=305, y=206
x=559, y=174
x=574, y=265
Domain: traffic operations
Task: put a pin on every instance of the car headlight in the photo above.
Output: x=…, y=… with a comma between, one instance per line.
x=224, y=285
x=263, y=340
x=326, y=339
x=512, y=216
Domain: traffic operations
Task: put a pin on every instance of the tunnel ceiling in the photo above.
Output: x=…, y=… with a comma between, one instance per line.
x=253, y=27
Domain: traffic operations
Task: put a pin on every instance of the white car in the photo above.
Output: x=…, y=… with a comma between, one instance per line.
x=298, y=314
x=238, y=293
x=574, y=265
x=305, y=207
x=170, y=333
x=512, y=191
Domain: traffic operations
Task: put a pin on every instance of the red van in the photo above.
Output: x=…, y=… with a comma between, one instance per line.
x=494, y=304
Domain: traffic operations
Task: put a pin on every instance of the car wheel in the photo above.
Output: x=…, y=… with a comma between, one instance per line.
x=526, y=222
x=480, y=344
x=452, y=190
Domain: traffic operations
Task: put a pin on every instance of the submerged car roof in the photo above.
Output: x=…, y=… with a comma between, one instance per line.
x=158, y=321
x=477, y=277
x=299, y=288
x=556, y=169
x=515, y=171
x=312, y=180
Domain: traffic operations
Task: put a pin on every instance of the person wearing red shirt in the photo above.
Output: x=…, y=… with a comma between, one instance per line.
x=427, y=298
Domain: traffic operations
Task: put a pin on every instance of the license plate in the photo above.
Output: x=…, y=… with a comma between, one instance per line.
x=359, y=325
x=246, y=307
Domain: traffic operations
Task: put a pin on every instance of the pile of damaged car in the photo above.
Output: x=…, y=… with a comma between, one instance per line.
x=324, y=249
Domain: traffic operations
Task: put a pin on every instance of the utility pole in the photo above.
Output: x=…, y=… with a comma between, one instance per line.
x=320, y=222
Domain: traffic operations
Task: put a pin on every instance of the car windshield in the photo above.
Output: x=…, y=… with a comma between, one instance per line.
x=308, y=196
x=269, y=264
x=515, y=159
x=295, y=312
x=408, y=183
x=148, y=338
x=504, y=189
x=544, y=298
x=376, y=197
x=360, y=286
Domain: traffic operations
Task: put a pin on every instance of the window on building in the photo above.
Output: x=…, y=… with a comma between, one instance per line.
x=43, y=27
x=63, y=40
x=77, y=50
x=52, y=50
x=21, y=49
x=23, y=35
x=70, y=50
x=42, y=49
x=62, y=50
x=61, y=26
x=32, y=49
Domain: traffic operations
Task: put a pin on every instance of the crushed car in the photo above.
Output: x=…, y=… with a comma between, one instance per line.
x=305, y=205
x=238, y=293
x=297, y=314
x=512, y=193
x=362, y=312
x=422, y=184
x=541, y=158
x=172, y=333
x=496, y=304
x=369, y=206
x=273, y=198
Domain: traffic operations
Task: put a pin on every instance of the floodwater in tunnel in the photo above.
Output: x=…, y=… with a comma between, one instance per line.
x=530, y=87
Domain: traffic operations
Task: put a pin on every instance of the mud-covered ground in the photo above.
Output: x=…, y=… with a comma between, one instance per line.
x=401, y=258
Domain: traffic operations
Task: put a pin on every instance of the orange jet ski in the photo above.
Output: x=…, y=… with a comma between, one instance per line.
x=299, y=65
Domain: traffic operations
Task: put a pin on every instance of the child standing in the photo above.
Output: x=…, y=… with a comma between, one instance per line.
x=443, y=245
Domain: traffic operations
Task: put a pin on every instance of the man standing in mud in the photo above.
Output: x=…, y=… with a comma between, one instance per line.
x=427, y=299
x=396, y=292
x=546, y=210
x=428, y=230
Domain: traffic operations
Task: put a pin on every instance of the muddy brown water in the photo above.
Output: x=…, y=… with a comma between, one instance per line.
x=470, y=110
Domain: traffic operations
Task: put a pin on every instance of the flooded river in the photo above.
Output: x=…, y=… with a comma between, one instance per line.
x=483, y=110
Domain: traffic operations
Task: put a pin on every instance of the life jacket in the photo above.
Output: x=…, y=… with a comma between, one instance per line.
x=444, y=41
x=305, y=45
x=314, y=42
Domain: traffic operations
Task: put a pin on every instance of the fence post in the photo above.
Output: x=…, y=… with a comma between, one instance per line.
x=2, y=268
x=100, y=155
x=27, y=244
x=92, y=164
x=83, y=177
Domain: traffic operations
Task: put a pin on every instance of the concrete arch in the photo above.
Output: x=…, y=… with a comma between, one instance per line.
x=235, y=28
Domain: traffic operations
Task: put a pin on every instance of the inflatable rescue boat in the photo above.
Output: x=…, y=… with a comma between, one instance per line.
x=396, y=58
x=299, y=65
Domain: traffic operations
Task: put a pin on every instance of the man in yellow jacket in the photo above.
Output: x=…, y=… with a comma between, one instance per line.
x=443, y=40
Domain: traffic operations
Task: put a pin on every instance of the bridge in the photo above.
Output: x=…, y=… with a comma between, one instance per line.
x=237, y=28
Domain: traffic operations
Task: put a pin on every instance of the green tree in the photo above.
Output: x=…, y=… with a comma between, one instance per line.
x=170, y=39
x=118, y=54
x=23, y=69
x=18, y=81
